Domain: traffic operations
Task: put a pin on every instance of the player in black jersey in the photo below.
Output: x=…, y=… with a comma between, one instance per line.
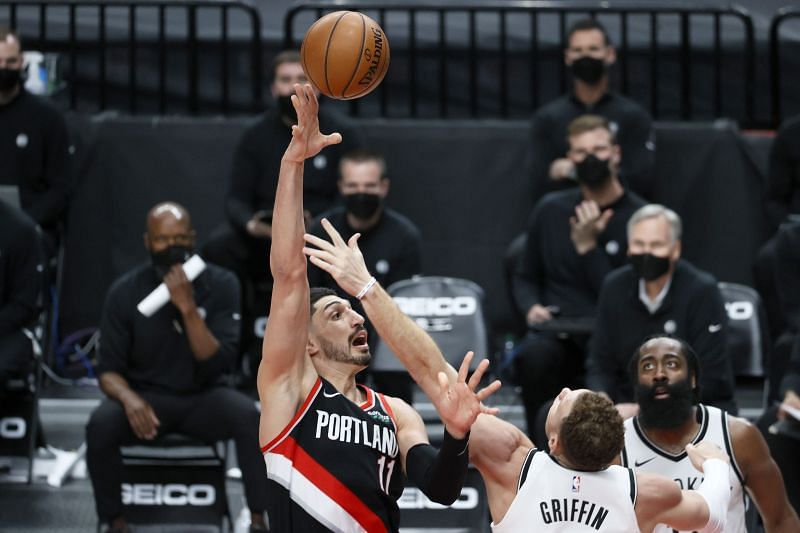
x=337, y=448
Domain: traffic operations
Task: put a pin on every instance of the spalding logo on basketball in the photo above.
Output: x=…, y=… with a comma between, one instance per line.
x=345, y=55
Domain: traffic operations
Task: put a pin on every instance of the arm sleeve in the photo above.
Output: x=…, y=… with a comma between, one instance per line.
x=244, y=178
x=49, y=207
x=787, y=274
x=779, y=179
x=440, y=475
x=638, y=156
x=224, y=322
x=708, y=330
x=115, y=333
x=601, y=364
x=23, y=281
x=716, y=491
x=526, y=280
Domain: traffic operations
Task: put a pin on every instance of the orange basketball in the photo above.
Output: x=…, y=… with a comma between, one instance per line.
x=345, y=54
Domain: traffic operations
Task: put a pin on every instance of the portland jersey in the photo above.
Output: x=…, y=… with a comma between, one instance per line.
x=337, y=466
x=640, y=453
x=553, y=498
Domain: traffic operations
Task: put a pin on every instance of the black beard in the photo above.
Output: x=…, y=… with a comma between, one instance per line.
x=343, y=354
x=665, y=413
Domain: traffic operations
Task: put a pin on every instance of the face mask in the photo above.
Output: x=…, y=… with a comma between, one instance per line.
x=286, y=108
x=649, y=266
x=171, y=255
x=9, y=78
x=593, y=172
x=588, y=69
x=362, y=205
x=668, y=412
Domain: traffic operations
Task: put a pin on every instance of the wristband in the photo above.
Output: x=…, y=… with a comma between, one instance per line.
x=366, y=288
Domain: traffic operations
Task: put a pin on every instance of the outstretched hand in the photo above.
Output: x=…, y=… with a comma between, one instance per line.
x=342, y=260
x=458, y=404
x=307, y=141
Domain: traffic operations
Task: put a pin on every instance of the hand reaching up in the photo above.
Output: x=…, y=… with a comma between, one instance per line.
x=307, y=140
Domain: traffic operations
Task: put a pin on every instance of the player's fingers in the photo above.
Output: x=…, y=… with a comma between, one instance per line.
x=463, y=370
x=319, y=242
x=319, y=263
x=490, y=389
x=353, y=241
x=336, y=238
x=477, y=376
x=444, y=384
x=319, y=254
x=490, y=410
x=333, y=138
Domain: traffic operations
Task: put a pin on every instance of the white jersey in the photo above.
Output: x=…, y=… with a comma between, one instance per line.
x=553, y=498
x=640, y=453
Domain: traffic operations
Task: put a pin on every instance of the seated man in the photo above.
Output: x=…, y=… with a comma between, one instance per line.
x=589, y=56
x=34, y=144
x=666, y=376
x=20, y=290
x=390, y=242
x=161, y=374
x=574, y=238
x=658, y=292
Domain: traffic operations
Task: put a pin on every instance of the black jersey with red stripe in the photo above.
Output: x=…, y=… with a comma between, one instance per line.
x=337, y=465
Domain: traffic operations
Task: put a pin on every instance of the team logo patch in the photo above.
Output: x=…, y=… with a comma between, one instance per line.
x=380, y=417
x=670, y=326
x=612, y=247
x=22, y=140
x=576, y=483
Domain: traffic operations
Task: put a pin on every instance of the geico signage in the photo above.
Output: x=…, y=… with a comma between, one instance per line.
x=414, y=498
x=176, y=494
x=12, y=427
x=442, y=306
x=739, y=310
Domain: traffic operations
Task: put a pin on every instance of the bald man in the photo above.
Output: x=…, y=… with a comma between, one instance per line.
x=161, y=373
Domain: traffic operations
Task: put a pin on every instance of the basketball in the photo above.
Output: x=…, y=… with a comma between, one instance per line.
x=345, y=55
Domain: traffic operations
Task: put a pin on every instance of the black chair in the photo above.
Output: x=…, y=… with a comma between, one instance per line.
x=175, y=480
x=748, y=335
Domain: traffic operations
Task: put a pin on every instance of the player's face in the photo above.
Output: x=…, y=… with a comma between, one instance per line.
x=562, y=405
x=339, y=331
x=589, y=43
x=10, y=54
x=654, y=236
x=362, y=177
x=286, y=75
x=661, y=363
x=596, y=142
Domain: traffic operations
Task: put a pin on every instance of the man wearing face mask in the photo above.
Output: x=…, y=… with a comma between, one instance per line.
x=665, y=373
x=659, y=293
x=390, y=242
x=242, y=245
x=574, y=238
x=589, y=56
x=34, y=144
x=162, y=373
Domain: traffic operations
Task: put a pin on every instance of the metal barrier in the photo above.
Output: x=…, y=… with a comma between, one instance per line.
x=494, y=59
x=781, y=16
x=120, y=54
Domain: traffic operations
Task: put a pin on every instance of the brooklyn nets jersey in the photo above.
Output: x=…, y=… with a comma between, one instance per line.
x=336, y=466
x=553, y=498
x=640, y=453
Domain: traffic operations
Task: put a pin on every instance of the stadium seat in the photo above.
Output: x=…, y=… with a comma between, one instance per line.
x=748, y=341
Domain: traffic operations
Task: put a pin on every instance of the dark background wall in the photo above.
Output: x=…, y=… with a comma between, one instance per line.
x=462, y=182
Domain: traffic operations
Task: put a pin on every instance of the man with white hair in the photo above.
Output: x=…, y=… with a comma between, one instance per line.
x=658, y=292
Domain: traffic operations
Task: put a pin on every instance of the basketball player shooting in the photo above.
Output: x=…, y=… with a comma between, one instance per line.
x=337, y=449
x=574, y=487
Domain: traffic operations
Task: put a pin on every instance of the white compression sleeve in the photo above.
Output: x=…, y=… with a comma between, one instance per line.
x=716, y=490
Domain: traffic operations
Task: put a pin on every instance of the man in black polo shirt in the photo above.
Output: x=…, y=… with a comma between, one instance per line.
x=589, y=56
x=161, y=373
x=242, y=244
x=658, y=292
x=574, y=238
x=34, y=145
x=390, y=242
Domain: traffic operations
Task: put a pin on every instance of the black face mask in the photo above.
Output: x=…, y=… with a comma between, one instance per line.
x=9, y=78
x=286, y=108
x=362, y=205
x=665, y=413
x=649, y=266
x=593, y=172
x=171, y=255
x=588, y=69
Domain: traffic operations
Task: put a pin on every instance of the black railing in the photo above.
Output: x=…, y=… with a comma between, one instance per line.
x=494, y=60
x=776, y=61
x=151, y=56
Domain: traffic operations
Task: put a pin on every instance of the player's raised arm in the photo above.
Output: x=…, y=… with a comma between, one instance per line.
x=285, y=370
